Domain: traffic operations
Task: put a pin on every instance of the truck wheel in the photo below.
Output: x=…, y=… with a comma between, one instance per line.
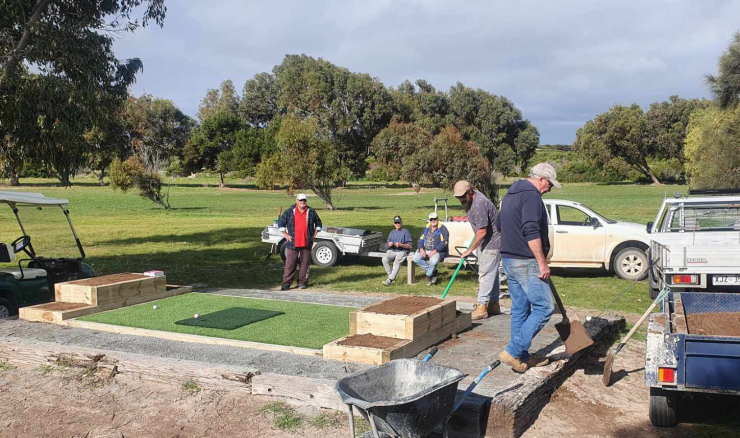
x=6, y=309
x=631, y=264
x=324, y=254
x=663, y=407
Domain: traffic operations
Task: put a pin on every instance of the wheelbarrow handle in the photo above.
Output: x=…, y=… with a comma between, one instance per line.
x=475, y=383
x=431, y=353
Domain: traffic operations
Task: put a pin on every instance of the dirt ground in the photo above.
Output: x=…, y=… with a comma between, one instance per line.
x=70, y=402
x=584, y=407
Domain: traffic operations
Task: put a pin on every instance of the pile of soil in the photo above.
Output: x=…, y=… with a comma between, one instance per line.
x=403, y=305
x=369, y=340
x=714, y=324
x=108, y=279
x=60, y=306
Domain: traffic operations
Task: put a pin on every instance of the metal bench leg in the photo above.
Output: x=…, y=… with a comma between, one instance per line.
x=411, y=270
x=351, y=422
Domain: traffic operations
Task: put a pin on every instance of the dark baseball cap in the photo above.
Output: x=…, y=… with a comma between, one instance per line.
x=397, y=220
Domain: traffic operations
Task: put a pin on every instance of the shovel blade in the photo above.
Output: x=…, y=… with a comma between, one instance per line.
x=606, y=378
x=574, y=335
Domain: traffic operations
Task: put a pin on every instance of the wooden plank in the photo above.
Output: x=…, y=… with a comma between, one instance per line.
x=38, y=314
x=411, y=349
x=352, y=353
x=679, y=318
x=191, y=338
x=404, y=349
x=411, y=271
x=352, y=323
x=72, y=292
x=392, y=326
x=144, y=367
x=298, y=390
x=423, y=321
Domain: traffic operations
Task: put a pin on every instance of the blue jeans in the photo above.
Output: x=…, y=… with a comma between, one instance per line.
x=428, y=266
x=531, y=304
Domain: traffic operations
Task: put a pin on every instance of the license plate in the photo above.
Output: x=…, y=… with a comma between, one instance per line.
x=726, y=279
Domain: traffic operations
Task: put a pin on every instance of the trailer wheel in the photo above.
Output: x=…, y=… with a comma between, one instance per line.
x=281, y=249
x=324, y=254
x=631, y=264
x=663, y=407
x=6, y=309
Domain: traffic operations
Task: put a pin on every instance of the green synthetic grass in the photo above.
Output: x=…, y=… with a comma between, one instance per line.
x=244, y=319
x=212, y=237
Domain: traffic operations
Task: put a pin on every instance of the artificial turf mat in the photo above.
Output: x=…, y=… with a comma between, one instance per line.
x=244, y=319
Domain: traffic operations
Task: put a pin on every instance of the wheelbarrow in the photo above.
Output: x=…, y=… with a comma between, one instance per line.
x=405, y=398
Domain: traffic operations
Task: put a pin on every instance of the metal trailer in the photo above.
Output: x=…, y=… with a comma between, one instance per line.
x=679, y=363
x=695, y=253
x=330, y=242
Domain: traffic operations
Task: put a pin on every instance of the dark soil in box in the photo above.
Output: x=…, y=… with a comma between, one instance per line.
x=60, y=306
x=403, y=305
x=372, y=341
x=714, y=324
x=108, y=279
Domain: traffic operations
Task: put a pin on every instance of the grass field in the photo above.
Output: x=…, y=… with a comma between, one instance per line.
x=212, y=237
x=266, y=321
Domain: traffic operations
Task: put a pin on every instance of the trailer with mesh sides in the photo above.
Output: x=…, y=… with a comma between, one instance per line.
x=693, y=343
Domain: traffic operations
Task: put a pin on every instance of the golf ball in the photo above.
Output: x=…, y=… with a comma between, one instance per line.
x=154, y=307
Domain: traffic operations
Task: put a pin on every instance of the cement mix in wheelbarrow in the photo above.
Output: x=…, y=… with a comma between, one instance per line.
x=509, y=402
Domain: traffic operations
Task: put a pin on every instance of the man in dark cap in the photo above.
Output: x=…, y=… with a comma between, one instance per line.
x=399, y=244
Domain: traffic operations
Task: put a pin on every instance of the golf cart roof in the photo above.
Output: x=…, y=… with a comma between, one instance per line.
x=27, y=198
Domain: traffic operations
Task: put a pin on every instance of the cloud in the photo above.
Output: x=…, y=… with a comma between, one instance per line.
x=560, y=62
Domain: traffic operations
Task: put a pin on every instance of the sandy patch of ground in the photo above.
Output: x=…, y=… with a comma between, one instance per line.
x=72, y=402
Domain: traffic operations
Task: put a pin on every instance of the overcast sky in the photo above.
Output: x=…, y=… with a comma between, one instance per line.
x=561, y=62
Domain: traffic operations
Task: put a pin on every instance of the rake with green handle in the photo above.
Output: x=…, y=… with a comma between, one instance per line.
x=459, y=265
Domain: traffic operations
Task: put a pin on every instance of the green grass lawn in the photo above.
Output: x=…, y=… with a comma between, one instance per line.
x=212, y=237
x=244, y=319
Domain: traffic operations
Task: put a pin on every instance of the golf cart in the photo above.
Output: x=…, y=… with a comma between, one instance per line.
x=33, y=280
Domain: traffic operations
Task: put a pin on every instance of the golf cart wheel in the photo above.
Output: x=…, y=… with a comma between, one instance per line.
x=663, y=407
x=324, y=254
x=6, y=309
x=631, y=264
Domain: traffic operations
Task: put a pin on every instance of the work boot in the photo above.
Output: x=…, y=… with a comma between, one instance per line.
x=285, y=287
x=494, y=308
x=435, y=276
x=387, y=282
x=430, y=281
x=516, y=365
x=480, y=312
x=536, y=361
x=303, y=286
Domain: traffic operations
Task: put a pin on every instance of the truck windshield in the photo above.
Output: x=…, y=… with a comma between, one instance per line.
x=713, y=217
x=602, y=217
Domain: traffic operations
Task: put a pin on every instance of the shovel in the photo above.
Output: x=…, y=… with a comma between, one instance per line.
x=572, y=332
x=607, y=376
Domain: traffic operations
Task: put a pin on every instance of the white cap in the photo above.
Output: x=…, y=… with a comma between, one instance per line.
x=301, y=197
x=545, y=170
x=433, y=215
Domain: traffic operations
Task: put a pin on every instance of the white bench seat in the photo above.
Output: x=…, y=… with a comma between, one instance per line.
x=28, y=273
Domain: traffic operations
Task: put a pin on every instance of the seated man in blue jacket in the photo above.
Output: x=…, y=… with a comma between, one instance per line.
x=432, y=248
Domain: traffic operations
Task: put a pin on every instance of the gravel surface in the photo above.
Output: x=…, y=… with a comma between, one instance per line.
x=244, y=358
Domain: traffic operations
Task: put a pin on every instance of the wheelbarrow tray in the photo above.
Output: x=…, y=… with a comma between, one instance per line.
x=405, y=397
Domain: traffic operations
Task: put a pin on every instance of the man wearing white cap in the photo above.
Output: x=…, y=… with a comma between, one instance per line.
x=299, y=226
x=524, y=247
x=482, y=216
x=432, y=247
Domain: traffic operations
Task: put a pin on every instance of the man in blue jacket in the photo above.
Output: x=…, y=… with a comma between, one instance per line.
x=299, y=225
x=432, y=248
x=524, y=248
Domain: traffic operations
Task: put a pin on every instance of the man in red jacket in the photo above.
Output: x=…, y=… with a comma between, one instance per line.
x=299, y=226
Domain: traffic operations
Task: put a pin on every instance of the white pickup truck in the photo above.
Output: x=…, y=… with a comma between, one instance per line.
x=695, y=244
